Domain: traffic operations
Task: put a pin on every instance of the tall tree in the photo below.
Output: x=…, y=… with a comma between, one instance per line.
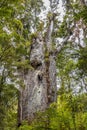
x=40, y=88
x=32, y=47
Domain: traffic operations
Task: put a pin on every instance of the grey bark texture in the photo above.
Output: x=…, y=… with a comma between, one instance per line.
x=40, y=82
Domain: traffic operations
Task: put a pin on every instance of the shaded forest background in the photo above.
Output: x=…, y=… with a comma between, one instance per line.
x=20, y=22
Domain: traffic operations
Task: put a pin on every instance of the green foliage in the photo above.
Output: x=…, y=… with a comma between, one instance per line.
x=62, y=30
x=82, y=61
x=25, y=126
x=33, y=36
x=8, y=106
x=69, y=113
x=81, y=14
x=16, y=23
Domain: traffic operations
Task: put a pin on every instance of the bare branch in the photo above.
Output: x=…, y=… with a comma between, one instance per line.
x=51, y=19
x=19, y=88
x=63, y=43
x=48, y=39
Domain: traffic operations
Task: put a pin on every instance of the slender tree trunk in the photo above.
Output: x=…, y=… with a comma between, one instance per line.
x=40, y=82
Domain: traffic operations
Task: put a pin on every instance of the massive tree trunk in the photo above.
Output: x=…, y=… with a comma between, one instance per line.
x=40, y=82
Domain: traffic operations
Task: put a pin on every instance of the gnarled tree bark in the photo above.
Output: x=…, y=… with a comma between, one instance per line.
x=40, y=82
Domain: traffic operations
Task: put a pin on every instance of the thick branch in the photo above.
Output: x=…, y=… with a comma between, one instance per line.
x=48, y=39
x=63, y=43
x=19, y=88
x=51, y=19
